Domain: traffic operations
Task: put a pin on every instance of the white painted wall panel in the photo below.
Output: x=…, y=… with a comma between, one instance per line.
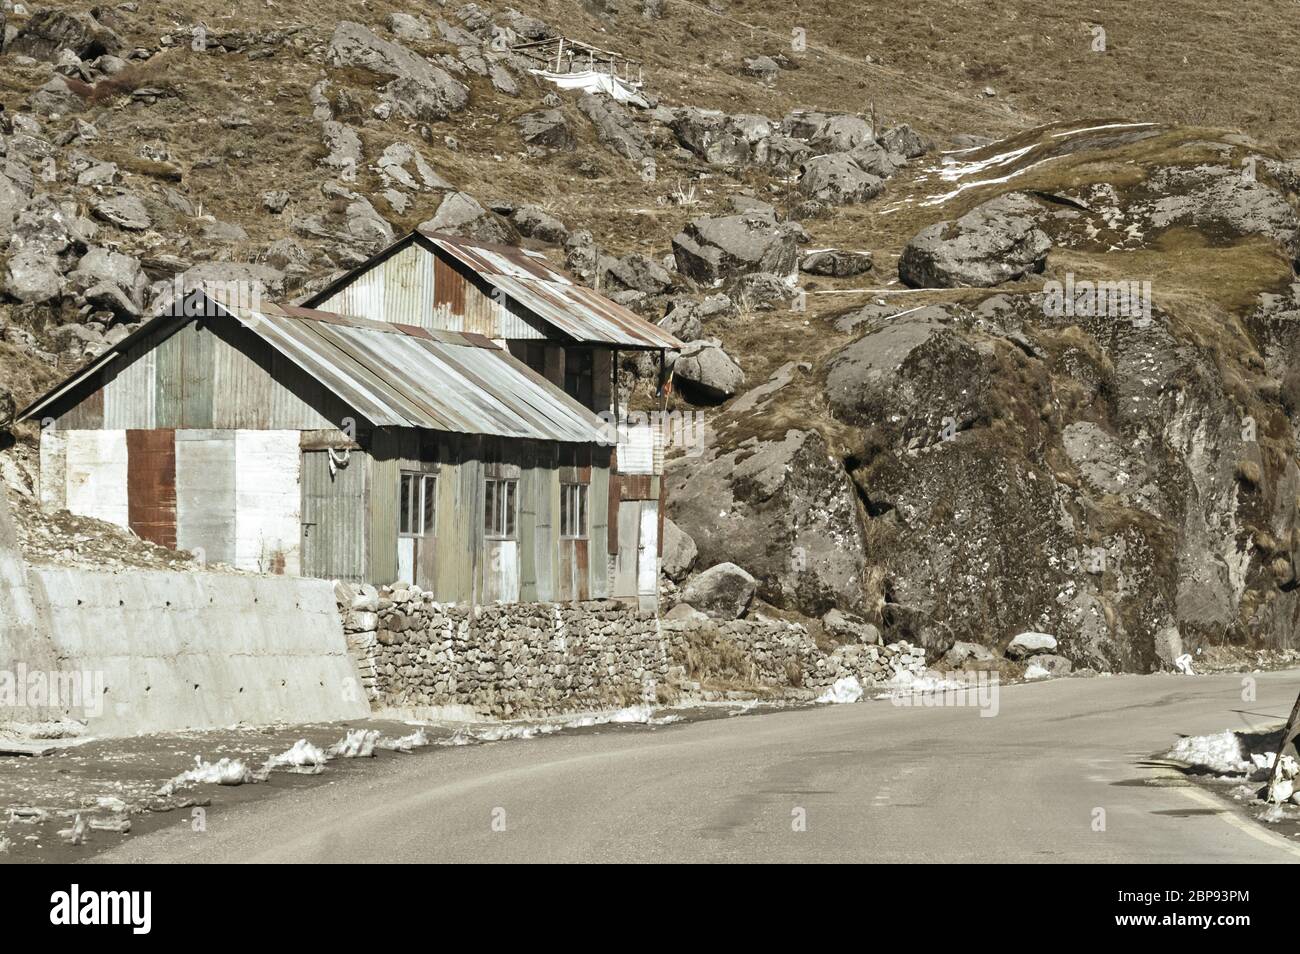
x=268, y=502
x=97, y=475
x=205, y=494
x=647, y=565
x=636, y=448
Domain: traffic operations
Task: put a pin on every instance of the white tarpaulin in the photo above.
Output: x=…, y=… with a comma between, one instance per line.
x=593, y=81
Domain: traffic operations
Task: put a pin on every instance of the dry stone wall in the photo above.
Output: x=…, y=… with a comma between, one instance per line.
x=529, y=659
x=503, y=660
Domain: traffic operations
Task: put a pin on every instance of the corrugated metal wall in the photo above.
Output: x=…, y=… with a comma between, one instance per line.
x=199, y=378
x=537, y=565
x=399, y=289
x=417, y=286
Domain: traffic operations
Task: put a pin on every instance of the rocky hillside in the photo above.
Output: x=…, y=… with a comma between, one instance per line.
x=867, y=231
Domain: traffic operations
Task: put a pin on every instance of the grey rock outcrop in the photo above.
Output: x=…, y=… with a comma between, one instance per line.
x=461, y=214
x=419, y=89
x=835, y=263
x=782, y=507
x=546, y=128
x=615, y=128
x=993, y=243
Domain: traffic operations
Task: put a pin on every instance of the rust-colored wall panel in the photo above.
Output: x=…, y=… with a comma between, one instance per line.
x=151, y=485
x=448, y=287
x=636, y=487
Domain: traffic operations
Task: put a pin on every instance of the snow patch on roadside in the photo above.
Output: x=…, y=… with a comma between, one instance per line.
x=845, y=690
x=302, y=757
x=357, y=744
x=1221, y=754
x=223, y=772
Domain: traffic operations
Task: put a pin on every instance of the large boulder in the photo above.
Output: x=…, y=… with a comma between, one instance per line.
x=780, y=505
x=546, y=128
x=419, y=89
x=641, y=273
x=840, y=133
x=720, y=250
x=993, y=243
x=679, y=552
x=706, y=374
x=720, y=139
x=838, y=180
x=916, y=377
x=536, y=223
x=721, y=592
x=1027, y=644
x=48, y=31
x=615, y=128
x=126, y=211
x=904, y=141
x=461, y=214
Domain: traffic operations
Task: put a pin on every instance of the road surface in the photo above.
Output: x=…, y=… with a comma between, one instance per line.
x=874, y=783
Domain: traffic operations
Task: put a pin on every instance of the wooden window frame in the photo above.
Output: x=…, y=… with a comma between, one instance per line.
x=575, y=496
x=421, y=513
x=500, y=523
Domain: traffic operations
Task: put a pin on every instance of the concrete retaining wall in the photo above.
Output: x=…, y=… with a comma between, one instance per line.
x=199, y=650
x=151, y=650
x=24, y=627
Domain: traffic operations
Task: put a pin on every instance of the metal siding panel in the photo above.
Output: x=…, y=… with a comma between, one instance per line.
x=130, y=397
x=243, y=387
x=86, y=415
x=598, y=530
x=501, y=576
x=169, y=386
x=151, y=485
x=197, y=346
x=97, y=475
x=529, y=506
x=449, y=290
x=384, y=486
x=268, y=502
x=205, y=494
x=636, y=448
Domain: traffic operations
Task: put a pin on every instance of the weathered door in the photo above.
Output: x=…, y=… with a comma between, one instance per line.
x=333, y=516
x=647, y=566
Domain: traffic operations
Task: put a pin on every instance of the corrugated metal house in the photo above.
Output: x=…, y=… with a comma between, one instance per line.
x=290, y=440
x=566, y=332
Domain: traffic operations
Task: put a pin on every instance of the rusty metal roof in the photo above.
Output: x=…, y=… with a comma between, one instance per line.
x=397, y=375
x=576, y=310
x=403, y=376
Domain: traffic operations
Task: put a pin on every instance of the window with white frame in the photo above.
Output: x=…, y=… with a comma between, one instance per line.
x=419, y=505
x=573, y=511
x=500, y=503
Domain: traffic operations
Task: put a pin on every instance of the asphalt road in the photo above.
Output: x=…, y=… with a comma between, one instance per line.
x=874, y=782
